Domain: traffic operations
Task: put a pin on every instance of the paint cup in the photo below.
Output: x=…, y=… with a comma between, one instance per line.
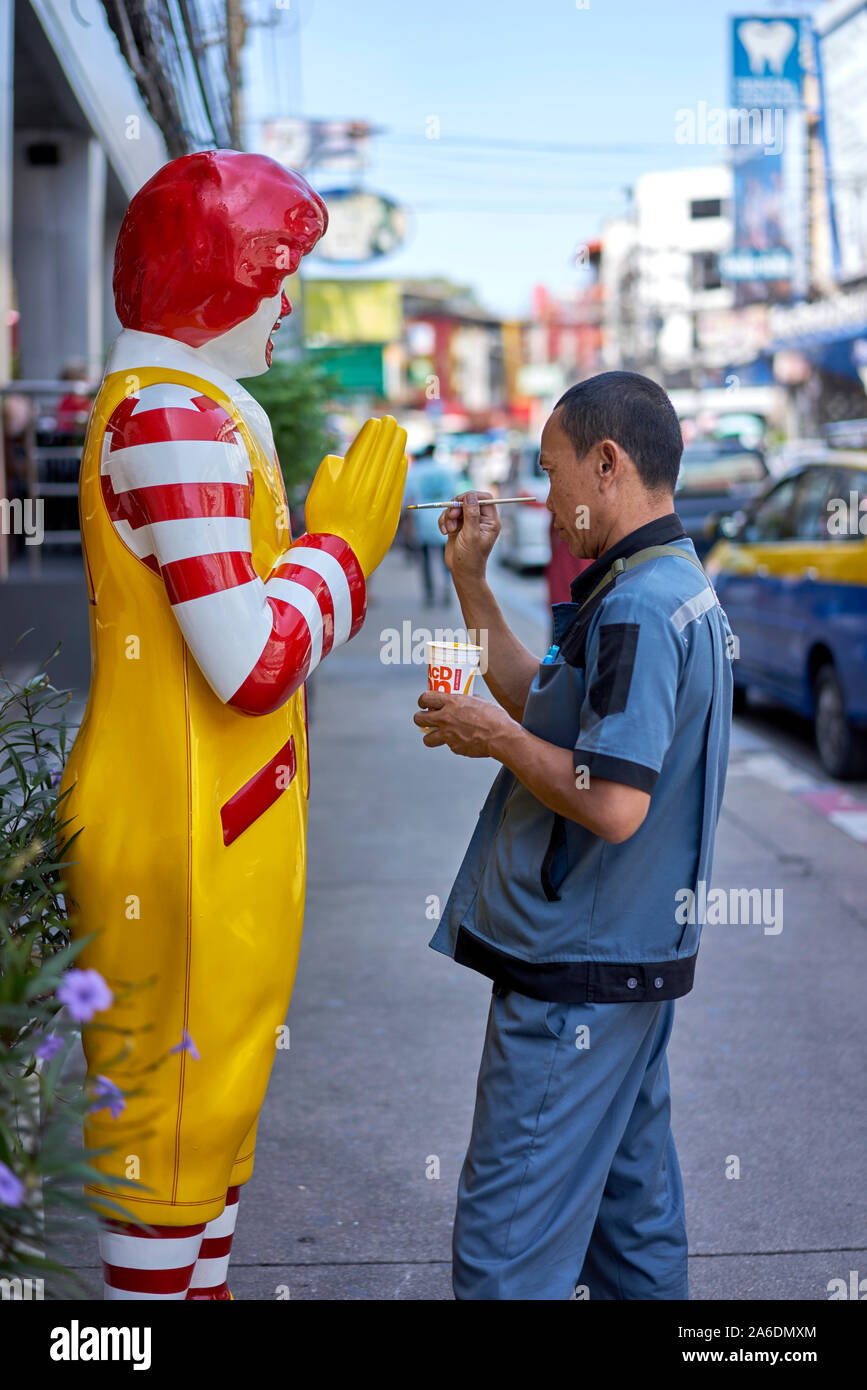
x=451, y=668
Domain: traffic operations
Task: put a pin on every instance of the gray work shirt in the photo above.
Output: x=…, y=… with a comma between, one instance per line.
x=639, y=685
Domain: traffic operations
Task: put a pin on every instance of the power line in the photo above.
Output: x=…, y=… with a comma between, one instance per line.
x=502, y=209
x=532, y=146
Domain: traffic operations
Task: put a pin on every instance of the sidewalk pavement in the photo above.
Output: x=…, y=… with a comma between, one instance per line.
x=368, y=1112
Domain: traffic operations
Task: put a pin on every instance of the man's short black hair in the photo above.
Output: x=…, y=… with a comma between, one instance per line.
x=633, y=411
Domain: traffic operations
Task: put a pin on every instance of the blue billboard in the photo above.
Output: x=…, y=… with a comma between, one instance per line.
x=767, y=258
x=766, y=61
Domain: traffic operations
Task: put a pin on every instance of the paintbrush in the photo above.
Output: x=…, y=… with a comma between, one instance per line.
x=489, y=501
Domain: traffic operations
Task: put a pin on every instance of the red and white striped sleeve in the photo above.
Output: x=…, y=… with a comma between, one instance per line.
x=177, y=482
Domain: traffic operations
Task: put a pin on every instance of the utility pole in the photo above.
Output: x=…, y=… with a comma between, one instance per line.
x=235, y=27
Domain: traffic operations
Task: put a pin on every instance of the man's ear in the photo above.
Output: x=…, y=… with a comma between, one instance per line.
x=608, y=452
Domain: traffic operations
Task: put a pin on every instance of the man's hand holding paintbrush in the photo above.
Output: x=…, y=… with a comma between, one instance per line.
x=462, y=722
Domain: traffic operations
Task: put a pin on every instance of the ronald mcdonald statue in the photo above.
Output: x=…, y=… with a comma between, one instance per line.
x=188, y=781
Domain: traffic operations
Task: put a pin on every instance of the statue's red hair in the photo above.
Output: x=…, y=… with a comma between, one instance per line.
x=207, y=238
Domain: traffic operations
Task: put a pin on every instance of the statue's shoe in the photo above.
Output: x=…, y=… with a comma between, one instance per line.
x=220, y=1294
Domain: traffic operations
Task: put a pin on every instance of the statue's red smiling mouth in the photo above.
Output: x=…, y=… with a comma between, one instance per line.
x=285, y=309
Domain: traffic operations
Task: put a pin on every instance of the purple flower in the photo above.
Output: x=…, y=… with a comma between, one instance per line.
x=11, y=1188
x=85, y=993
x=107, y=1095
x=49, y=1047
x=186, y=1044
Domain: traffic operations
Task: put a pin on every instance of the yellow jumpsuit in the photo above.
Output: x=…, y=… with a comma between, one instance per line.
x=190, y=933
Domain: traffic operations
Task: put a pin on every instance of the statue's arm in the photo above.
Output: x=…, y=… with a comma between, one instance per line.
x=177, y=481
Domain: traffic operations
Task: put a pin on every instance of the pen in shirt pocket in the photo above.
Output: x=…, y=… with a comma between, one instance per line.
x=551, y=655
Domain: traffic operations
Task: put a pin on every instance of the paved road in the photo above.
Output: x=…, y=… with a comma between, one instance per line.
x=767, y=1055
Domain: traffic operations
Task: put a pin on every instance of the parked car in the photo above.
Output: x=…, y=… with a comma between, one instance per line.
x=716, y=476
x=524, y=540
x=782, y=458
x=791, y=573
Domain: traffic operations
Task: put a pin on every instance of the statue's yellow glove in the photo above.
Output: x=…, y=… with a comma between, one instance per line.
x=359, y=497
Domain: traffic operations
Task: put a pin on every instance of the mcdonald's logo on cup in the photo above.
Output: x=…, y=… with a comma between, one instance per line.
x=452, y=667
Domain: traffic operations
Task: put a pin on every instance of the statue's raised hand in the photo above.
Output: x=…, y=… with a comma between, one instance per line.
x=359, y=497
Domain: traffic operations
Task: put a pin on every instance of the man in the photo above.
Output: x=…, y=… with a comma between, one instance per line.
x=430, y=481
x=614, y=753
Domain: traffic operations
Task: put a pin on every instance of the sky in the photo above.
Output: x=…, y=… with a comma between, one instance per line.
x=607, y=77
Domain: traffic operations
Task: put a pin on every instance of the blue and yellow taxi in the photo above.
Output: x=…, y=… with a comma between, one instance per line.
x=791, y=574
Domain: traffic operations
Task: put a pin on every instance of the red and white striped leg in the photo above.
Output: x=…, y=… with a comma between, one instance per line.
x=212, y=1266
x=139, y=1264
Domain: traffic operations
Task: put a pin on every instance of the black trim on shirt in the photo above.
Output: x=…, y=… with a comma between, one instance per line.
x=614, y=769
x=618, y=643
x=556, y=843
x=578, y=982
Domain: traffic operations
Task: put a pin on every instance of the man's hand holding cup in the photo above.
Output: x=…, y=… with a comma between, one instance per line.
x=461, y=722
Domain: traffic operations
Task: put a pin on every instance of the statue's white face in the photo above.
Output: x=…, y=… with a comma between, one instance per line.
x=246, y=349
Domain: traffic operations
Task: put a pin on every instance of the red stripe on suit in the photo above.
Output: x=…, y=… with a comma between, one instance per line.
x=345, y=556
x=302, y=574
x=172, y=501
x=285, y=662
x=206, y=574
x=257, y=794
x=148, y=1280
x=213, y=1247
x=208, y=421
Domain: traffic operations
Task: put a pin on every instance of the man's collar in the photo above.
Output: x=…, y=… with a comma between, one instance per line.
x=658, y=532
